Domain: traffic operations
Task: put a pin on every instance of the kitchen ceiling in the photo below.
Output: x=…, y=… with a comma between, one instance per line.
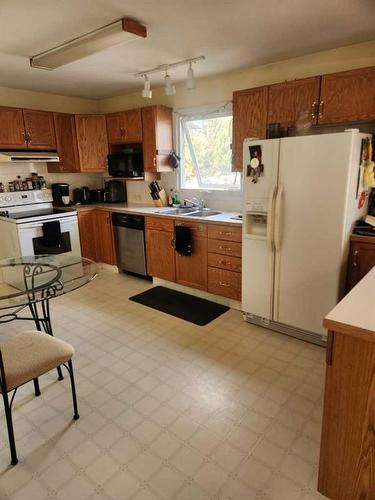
x=231, y=34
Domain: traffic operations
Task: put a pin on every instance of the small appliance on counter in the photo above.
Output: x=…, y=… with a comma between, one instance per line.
x=127, y=163
x=60, y=194
x=81, y=196
x=115, y=191
x=97, y=195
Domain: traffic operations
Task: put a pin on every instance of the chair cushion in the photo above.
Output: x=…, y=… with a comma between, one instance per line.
x=30, y=354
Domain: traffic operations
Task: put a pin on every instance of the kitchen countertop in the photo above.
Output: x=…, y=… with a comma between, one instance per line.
x=355, y=314
x=138, y=209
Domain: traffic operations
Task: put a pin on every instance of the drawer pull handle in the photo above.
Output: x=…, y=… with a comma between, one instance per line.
x=225, y=233
x=224, y=283
x=223, y=247
x=224, y=263
x=355, y=260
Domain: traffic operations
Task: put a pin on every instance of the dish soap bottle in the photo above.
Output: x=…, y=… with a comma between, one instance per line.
x=176, y=199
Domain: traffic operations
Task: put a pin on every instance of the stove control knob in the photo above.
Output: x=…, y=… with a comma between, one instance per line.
x=8, y=198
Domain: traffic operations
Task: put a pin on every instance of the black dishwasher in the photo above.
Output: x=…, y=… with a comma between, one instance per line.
x=129, y=232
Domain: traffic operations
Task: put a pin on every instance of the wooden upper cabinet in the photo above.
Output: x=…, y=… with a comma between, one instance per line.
x=124, y=127
x=286, y=101
x=12, y=129
x=157, y=138
x=40, y=129
x=66, y=142
x=92, y=142
x=249, y=119
x=348, y=96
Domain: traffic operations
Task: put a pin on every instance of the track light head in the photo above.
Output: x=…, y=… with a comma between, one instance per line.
x=190, y=80
x=147, y=92
x=169, y=88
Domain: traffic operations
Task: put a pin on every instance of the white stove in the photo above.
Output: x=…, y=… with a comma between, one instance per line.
x=25, y=218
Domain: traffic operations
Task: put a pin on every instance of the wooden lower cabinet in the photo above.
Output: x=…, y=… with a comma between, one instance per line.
x=86, y=223
x=226, y=283
x=160, y=254
x=191, y=270
x=347, y=455
x=361, y=259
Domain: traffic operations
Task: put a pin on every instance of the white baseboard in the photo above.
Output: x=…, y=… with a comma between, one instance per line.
x=233, y=304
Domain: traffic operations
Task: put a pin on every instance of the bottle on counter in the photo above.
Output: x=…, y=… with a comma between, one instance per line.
x=29, y=182
x=176, y=198
x=34, y=178
x=11, y=186
x=170, y=197
x=17, y=186
x=1, y=187
x=42, y=182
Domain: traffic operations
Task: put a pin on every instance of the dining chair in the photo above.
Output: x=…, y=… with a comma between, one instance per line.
x=24, y=358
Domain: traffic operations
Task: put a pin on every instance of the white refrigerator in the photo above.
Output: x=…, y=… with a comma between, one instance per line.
x=300, y=204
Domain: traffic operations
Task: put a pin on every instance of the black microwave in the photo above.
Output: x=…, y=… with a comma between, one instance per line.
x=127, y=163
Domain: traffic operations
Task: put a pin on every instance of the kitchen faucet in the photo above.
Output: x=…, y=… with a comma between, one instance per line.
x=196, y=203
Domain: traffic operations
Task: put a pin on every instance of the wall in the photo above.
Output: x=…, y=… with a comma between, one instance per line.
x=219, y=88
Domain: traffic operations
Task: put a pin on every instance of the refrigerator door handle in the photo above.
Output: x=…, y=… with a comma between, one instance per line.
x=270, y=220
x=278, y=207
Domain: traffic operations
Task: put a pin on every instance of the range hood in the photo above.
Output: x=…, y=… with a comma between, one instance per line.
x=28, y=156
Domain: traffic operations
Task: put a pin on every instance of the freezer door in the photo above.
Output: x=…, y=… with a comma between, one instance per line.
x=317, y=178
x=258, y=231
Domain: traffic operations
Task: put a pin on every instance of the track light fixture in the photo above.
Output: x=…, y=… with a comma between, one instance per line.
x=169, y=88
x=190, y=80
x=147, y=92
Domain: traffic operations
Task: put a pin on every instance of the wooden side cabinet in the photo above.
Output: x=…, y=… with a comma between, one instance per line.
x=104, y=241
x=249, y=120
x=92, y=142
x=86, y=223
x=157, y=138
x=361, y=259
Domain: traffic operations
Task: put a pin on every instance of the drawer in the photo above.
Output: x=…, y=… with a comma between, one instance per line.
x=228, y=233
x=224, y=248
x=197, y=228
x=224, y=262
x=160, y=224
x=226, y=283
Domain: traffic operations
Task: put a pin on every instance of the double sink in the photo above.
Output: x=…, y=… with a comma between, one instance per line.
x=191, y=212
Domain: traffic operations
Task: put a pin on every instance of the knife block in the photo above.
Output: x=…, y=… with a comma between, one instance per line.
x=162, y=201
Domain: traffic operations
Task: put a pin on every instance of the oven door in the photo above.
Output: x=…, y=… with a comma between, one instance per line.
x=31, y=238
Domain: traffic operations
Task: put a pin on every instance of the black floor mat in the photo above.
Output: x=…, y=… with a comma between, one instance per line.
x=194, y=309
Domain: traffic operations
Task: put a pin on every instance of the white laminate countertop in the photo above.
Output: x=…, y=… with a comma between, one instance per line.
x=357, y=309
x=132, y=208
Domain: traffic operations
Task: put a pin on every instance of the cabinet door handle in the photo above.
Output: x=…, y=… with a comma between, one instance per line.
x=355, y=258
x=224, y=283
x=24, y=137
x=154, y=161
x=313, y=110
x=321, y=109
x=173, y=243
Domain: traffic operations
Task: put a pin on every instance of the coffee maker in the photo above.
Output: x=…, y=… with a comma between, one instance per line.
x=60, y=194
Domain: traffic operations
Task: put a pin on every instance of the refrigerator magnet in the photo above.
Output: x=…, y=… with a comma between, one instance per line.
x=255, y=169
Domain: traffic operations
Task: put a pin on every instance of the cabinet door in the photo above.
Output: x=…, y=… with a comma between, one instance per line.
x=66, y=142
x=104, y=237
x=132, y=125
x=160, y=254
x=157, y=138
x=361, y=261
x=12, y=129
x=306, y=97
x=192, y=270
x=115, y=128
x=348, y=96
x=86, y=222
x=40, y=129
x=92, y=142
x=249, y=119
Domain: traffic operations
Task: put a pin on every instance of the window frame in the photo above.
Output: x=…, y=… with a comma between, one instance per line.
x=200, y=113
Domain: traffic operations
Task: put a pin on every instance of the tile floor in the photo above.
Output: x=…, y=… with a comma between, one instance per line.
x=169, y=410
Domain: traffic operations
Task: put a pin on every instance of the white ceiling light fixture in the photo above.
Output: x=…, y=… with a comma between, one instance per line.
x=147, y=92
x=169, y=88
x=190, y=80
x=117, y=33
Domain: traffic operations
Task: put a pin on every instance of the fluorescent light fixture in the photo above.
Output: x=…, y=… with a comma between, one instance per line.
x=147, y=92
x=190, y=80
x=122, y=31
x=169, y=88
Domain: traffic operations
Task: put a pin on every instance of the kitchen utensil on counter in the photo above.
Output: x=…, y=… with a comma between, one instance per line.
x=81, y=196
x=97, y=195
x=115, y=191
x=60, y=194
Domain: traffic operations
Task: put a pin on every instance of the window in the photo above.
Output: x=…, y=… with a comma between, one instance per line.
x=205, y=150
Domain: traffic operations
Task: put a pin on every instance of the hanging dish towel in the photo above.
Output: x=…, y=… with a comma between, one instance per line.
x=52, y=236
x=183, y=242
